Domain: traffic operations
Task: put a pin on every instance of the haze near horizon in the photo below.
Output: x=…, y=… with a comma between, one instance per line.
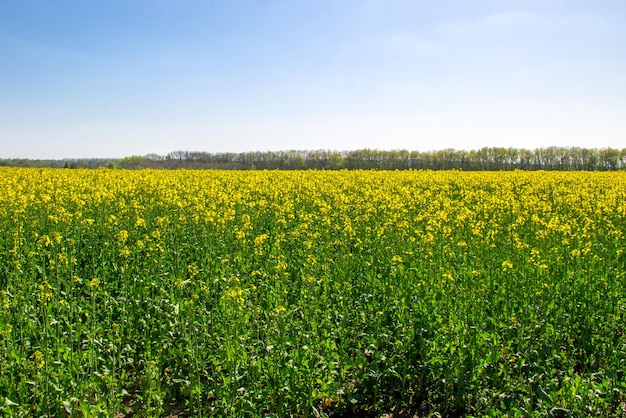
x=108, y=79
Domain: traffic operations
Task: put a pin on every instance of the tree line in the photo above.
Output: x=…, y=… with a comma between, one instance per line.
x=488, y=159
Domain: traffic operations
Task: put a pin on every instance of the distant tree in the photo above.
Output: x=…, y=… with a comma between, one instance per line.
x=609, y=158
x=487, y=158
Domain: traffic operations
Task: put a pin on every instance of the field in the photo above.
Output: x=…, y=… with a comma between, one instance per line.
x=312, y=293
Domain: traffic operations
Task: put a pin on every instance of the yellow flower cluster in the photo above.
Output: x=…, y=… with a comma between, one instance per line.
x=296, y=223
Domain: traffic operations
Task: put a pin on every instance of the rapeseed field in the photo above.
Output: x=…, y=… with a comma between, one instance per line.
x=312, y=293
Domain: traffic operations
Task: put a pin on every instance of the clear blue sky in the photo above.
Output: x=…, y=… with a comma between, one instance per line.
x=112, y=78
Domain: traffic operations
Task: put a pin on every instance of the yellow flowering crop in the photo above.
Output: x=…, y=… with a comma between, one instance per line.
x=303, y=293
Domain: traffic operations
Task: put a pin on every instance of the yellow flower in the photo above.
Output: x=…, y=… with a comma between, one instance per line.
x=260, y=240
x=122, y=236
x=8, y=328
x=38, y=359
x=4, y=299
x=45, y=239
x=235, y=294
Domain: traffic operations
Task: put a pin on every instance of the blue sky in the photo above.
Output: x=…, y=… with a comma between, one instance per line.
x=112, y=78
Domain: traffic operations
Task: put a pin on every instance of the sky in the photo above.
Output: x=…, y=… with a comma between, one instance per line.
x=114, y=78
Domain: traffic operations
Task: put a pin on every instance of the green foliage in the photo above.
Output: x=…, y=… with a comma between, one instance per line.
x=182, y=293
x=484, y=159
